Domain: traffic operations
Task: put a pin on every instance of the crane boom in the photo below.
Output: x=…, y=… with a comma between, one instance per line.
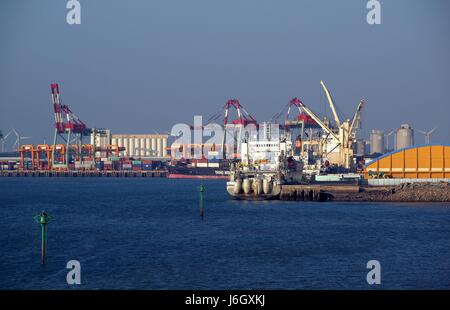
x=318, y=121
x=356, y=117
x=330, y=101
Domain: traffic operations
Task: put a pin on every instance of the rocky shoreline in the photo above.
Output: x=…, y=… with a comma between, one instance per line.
x=407, y=192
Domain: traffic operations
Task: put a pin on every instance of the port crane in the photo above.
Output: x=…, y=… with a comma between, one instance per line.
x=298, y=126
x=244, y=119
x=343, y=136
x=330, y=101
x=355, y=122
x=68, y=124
x=235, y=127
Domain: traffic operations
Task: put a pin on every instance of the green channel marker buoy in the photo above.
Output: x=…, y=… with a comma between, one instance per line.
x=43, y=218
x=201, y=190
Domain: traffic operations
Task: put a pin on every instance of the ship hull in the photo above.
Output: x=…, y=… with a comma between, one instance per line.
x=190, y=176
x=213, y=173
x=274, y=194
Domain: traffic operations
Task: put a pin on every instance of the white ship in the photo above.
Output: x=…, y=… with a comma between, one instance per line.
x=266, y=164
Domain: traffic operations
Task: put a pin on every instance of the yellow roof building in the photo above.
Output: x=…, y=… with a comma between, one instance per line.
x=424, y=161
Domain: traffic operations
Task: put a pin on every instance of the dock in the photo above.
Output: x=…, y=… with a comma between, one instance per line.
x=317, y=192
x=86, y=173
x=406, y=192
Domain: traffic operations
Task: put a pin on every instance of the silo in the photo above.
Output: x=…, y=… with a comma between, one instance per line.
x=147, y=146
x=159, y=147
x=360, y=147
x=164, y=147
x=154, y=153
x=126, y=144
x=136, y=147
x=377, y=142
x=142, y=146
x=120, y=143
x=131, y=146
x=404, y=137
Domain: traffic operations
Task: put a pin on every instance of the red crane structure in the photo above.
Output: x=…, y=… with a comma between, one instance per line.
x=67, y=124
x=244, y=119
x=302, y=118
x=297, y=124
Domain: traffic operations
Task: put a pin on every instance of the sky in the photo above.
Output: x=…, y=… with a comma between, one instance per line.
x=140, y=66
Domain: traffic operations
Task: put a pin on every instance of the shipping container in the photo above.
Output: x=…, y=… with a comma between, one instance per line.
x=126, y=166
x=107, y=167
x=99, y=165
x=116, y=165
x=147, y=167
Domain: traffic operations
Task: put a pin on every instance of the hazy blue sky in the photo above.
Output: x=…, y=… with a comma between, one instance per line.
x=133, y=66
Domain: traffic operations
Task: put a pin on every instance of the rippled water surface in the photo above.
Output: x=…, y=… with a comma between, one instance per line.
x=140, y=233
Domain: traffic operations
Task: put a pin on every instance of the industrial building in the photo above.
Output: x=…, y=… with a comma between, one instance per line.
x=416, y=162
x=377, y=142
x=142, y=145
x=100, y=139
x=404, y=137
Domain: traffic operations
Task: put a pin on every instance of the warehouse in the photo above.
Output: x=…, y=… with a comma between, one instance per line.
x=416, y=162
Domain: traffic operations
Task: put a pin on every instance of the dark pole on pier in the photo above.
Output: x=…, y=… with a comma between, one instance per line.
x=201, y=189
x=43, y=219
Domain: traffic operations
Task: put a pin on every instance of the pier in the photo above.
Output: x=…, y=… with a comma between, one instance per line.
x=407, y=192
x=85, y=173
x=317, y=192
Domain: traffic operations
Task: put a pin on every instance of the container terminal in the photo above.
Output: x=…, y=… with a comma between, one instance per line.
x=330, y=152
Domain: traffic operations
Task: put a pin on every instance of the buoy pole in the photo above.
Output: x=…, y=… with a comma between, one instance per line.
x=43, y=243
x=43, y=219
x=202, y=210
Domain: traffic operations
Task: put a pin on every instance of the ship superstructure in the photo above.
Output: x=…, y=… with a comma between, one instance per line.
x=266, y=163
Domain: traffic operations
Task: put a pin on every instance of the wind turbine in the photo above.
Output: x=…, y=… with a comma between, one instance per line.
x=16, y=144
x=427, y=134
x=387, y=135
x=3, y=139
